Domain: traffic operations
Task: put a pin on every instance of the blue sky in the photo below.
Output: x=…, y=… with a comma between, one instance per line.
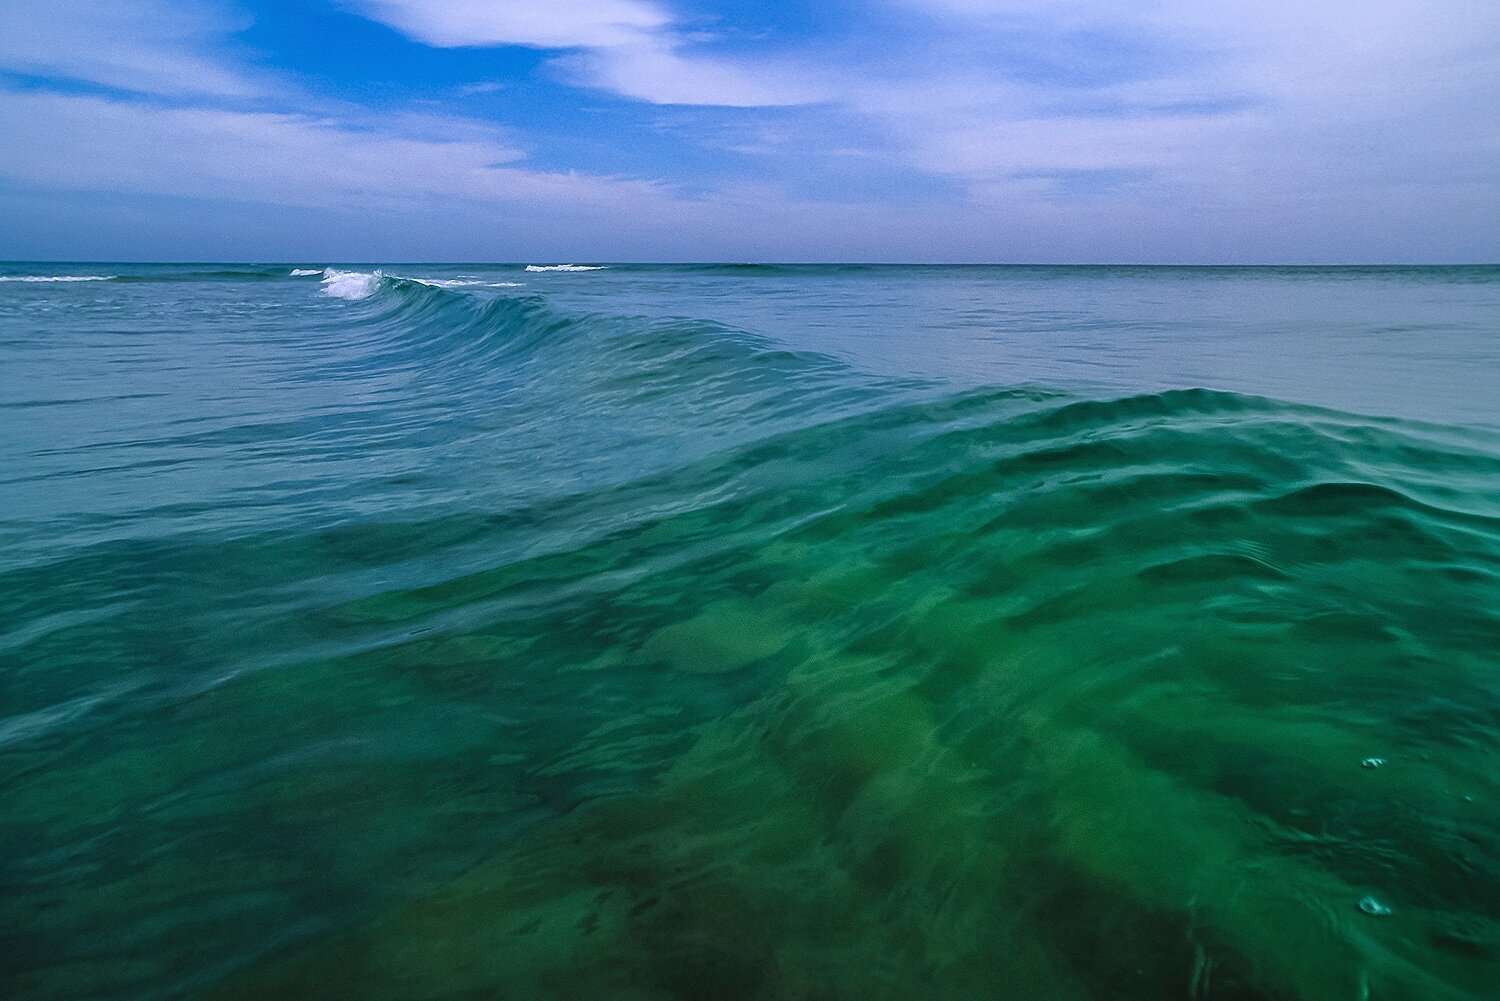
x=898, y=130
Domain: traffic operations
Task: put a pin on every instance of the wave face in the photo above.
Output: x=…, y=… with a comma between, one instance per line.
x=894, y=632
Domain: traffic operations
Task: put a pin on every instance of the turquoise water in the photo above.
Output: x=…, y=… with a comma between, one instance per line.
x=749, y=632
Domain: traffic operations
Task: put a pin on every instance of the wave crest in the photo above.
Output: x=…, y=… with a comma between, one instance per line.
x=56, y=278
x=352, y=285
x=461, y=283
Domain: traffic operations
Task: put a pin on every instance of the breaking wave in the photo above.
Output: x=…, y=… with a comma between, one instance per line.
x=353, y=285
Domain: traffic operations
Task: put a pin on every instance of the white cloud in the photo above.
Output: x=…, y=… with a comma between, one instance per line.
x=659, y=72
x=1242, y=127
x=1211, y=89
x=197, y=125
x=633, y=48
x=94, y=143
x=1269, y=103
x=571, y=24
x=150, y=46
x=341, y=191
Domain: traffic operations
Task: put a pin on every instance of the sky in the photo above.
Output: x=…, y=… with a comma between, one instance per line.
x=1152, y=131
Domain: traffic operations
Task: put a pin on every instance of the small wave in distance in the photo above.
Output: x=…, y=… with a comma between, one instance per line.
x=56, y=278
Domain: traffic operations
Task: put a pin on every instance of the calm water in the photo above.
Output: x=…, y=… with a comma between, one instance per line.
x=749, y=632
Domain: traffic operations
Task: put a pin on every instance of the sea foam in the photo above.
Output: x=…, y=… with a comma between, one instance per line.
x=462, y=283
x=564, y=267
x=306, y=272
x=351, y=284
x=56, y=278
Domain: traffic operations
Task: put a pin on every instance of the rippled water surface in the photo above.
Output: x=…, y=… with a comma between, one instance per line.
x=749, y=632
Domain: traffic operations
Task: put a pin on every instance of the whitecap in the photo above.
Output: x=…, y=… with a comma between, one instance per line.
x=351, y=284
x=56, y=278
x=463, y=283
x=305, y=272
x=564, y=267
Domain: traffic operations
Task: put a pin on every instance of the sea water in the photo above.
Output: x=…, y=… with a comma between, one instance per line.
x=405, y=631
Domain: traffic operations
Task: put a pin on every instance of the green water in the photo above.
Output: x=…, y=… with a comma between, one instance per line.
x=479, y=642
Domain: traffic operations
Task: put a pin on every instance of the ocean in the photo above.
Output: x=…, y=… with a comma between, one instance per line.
x=747, y=631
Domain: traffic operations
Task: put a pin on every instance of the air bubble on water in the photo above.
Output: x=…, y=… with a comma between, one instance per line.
x=1374, y=907
x=1373, y=762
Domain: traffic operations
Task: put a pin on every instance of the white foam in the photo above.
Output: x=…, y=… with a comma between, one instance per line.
x=55, y=278
x=564, y=267
x=305, y=272
x=463, y=283
x=351, y=284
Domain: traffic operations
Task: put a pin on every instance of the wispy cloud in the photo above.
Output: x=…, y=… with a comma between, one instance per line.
x=633, y=48
x=984, y=89
x=151, y=46
x=184, y=118
x=575, y=24
x=941, y=128
x=660, y=71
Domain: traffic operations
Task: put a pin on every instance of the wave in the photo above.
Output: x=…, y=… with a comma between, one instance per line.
x=461, y=282
x=360, y=285
x=57, y=278
x=565, y=267
x=152, y=277
x=352, y=285
x=306, y=272
x=673, y=635
x=250, y=274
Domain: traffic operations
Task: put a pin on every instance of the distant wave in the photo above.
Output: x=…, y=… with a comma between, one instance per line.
x=56, y=278
x=462, y=283
x=251, y=273
x=564, y=267
x=306, y=272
